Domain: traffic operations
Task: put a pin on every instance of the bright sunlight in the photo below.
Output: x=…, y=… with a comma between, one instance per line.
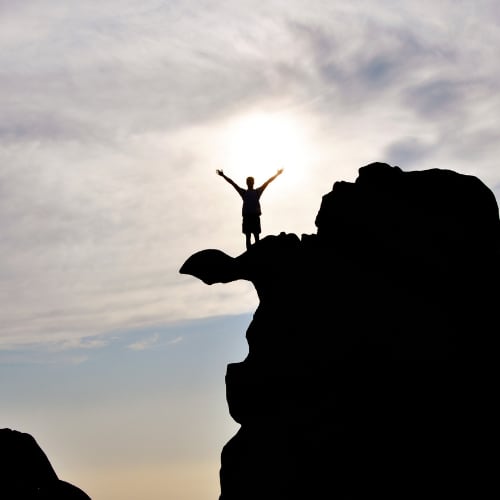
x=258, y=144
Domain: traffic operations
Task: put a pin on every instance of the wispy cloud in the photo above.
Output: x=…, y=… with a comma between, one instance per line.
x=77, y=343
x=114, y=115
x=174, y=341
x=145, y=343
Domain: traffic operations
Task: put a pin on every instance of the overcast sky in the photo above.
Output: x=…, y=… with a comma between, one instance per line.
x=115, y=116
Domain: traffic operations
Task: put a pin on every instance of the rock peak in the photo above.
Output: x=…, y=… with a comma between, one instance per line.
x=371, y=350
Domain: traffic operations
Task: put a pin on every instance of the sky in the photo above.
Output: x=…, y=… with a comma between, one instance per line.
x=115, y=116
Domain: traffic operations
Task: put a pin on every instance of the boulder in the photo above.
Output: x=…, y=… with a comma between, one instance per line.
x=26, y=472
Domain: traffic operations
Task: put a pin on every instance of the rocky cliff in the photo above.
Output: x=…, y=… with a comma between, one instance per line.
x=372, y=352
x=27, y=474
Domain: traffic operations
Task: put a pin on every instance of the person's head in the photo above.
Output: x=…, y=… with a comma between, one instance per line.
x=250, y=181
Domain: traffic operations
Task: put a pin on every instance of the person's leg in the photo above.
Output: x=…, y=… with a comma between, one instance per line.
x=257, y=229
x=246, y=229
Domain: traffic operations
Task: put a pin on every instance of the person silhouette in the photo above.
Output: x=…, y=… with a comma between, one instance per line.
x=251, y=210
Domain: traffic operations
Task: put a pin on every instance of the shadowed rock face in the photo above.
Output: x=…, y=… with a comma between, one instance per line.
x=372, y=352
x=26, y=473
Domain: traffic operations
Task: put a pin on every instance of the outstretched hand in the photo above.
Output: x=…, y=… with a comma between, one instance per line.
x=280, y=171
x=219, y=172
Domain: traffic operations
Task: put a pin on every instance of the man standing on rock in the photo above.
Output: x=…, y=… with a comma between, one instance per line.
x=251, y=211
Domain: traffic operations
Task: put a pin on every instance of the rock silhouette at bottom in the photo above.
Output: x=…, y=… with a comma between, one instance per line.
x=26, y=472
x=372, y=354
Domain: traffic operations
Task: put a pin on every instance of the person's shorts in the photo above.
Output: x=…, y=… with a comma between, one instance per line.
x=251, y=224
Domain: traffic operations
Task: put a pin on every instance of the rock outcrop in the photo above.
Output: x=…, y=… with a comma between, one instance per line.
x=26, y=472
x=372, y=354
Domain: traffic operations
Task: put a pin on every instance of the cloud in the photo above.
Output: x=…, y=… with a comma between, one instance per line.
x=35, y=356
x=145, y=343
x=176, y=340
x=436, y=99
x=408, y=151
x=115, y=116
x=87, y=343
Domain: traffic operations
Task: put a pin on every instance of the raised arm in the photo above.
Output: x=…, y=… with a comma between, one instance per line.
x=279, y=172
x=226, y=178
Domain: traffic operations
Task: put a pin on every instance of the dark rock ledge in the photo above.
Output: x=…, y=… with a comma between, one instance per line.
x=372, y=365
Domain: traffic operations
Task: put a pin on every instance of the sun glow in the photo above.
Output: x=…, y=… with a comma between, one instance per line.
x=259, y=144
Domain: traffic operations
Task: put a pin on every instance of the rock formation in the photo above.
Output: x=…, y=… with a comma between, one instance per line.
x=372, y=352
x=26, y=473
